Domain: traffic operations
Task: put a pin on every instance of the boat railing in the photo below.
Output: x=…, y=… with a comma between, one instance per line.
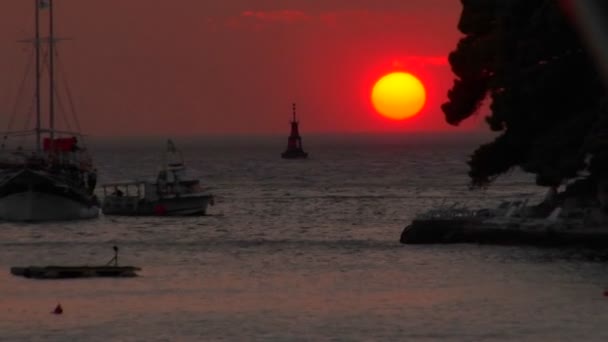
x=32, y=132
x=28, y=157
x=13, y=159
x=456, y=210
x=118, y=190
x=448, y=213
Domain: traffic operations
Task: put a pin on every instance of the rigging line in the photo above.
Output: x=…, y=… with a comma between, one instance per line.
x=72, y=107
x=58, y=98
x=62, y=111
x=20, y=91
x=30, y=114
x=44, y=61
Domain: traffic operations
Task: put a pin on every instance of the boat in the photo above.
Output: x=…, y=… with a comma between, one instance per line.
x=46, y=173
x=294, y=142
x=172, y=193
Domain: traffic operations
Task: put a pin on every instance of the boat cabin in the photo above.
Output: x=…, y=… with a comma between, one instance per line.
x=124, y=195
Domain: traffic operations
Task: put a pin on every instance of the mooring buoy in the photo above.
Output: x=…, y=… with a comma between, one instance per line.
x=58, y=310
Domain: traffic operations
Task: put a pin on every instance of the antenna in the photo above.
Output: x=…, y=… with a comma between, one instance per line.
x=293, y=106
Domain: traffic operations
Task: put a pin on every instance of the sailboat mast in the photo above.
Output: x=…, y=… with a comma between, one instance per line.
x=37, y=42
x=51, y=72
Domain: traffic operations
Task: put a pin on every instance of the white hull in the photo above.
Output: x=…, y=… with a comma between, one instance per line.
x=33, y=206
x=174, y=206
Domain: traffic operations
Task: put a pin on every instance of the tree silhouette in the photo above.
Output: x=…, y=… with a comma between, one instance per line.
x=546, y=97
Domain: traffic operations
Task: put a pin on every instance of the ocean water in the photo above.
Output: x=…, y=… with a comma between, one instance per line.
x=302, y=251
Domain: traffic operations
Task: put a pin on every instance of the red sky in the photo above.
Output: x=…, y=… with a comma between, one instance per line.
x=189, y=67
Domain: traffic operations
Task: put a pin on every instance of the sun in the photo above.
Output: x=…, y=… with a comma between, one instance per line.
x=398, y=95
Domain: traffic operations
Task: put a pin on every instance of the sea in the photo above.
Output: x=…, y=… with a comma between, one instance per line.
x=302, y=250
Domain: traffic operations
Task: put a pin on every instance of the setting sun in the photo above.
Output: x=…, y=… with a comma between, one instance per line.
x=398, y=95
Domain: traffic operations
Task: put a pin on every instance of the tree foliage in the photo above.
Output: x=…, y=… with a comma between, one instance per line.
x=547, y=100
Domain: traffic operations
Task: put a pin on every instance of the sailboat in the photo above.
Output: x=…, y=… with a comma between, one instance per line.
x=52, y=176
x=294, y=142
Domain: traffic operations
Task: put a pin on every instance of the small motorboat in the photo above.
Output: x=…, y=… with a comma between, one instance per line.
x=173, y=192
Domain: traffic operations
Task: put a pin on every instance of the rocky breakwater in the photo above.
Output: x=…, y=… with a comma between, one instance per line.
x=511, y=223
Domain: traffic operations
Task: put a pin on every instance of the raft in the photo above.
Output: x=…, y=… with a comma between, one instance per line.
x=63, y=272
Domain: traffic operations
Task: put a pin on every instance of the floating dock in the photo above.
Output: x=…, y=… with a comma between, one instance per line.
x=63, y=272
x=111, y=269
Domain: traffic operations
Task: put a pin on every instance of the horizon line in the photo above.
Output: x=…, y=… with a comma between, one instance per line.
x=274, y=134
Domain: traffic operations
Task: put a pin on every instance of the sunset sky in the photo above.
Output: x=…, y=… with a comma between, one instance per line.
x=188, y=67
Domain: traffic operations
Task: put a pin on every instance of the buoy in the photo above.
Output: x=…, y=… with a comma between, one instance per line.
x=58, y=310
x=294, y=142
